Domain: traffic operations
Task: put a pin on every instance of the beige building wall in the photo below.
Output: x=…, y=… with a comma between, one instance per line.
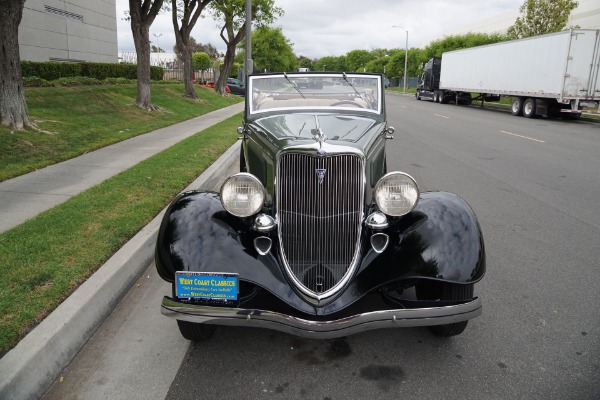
x=69, y=30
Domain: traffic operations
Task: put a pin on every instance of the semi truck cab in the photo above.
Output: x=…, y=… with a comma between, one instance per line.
x=429, y=82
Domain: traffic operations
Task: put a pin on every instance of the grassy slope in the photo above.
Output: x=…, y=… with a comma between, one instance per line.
x=48, y=257
x=89, y=117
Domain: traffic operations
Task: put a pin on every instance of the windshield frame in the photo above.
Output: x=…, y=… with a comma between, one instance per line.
x=252, y=113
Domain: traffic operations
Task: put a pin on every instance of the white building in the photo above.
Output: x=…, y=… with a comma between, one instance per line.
x=69, y=30
x=165, y=60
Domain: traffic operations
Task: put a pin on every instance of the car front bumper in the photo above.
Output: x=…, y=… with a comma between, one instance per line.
x=398, y=318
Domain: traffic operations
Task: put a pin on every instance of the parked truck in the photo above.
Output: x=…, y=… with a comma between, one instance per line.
x=554, y=74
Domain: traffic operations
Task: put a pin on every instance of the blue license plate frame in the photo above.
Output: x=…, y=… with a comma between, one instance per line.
x=217, y=286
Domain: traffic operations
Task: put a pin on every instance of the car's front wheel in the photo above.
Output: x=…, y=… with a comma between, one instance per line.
x=445, y=291
x=195, y=332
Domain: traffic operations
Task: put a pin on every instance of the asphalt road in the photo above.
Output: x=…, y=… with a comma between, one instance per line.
x=535, y=186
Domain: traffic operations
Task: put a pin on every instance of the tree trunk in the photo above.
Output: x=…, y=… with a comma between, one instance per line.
x=191, y=12
x=142, y=15
x=141, y=38
x=227, y=67
x=13, y=108
x=187, y=72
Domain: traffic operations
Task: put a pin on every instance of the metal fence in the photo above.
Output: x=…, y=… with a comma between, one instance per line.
x=399, y=82
x=171, y=74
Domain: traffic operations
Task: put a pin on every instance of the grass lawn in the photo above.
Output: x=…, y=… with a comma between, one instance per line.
x=86, y=118
x=400, y=89
x=48, y=257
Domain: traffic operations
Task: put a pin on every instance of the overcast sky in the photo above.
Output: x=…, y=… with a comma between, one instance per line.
x=320, y=28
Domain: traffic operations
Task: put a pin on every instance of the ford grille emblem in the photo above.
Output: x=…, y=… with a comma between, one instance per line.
x=321, y=174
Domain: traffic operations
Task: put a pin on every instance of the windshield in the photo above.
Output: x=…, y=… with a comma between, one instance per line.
x=354, y=92
x=335, y=127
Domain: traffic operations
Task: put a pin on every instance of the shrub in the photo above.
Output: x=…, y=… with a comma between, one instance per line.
x=76, y=81
x=156, y=73
x=50, y=70
x=35, y=81
x=118, y=81
x=55, y=70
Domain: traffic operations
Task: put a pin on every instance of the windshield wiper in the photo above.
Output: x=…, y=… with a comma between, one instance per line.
x=351, y=85
x=293, y=84
x=301, y=129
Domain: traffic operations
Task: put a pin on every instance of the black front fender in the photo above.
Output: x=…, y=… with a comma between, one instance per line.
x=440, y=240
x=198, y=235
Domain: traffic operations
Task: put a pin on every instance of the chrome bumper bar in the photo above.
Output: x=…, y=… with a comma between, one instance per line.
x=400, y=318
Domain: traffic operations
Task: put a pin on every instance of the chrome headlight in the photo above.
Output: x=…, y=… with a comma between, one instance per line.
x=396, y=194
x=242, y=195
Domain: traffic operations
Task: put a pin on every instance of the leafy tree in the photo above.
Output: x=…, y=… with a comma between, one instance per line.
x=188, y=11
x=457, y=42
x=378, y=65
x=240, y=55
x=395, y=64
x=331, y=63
x=156, y=49
x=379, y=53
x=304, y=62
x=196, y=47
x=230, y=15
x=541, y=16
x=272, y=51
x=141, y=15
x=13, y=108
x=356, y=60
x=201, y=61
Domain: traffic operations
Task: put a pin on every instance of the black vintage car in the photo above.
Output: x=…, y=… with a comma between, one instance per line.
x=314, y=236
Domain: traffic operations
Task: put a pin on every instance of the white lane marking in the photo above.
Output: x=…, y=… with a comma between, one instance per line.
x=441, y=116
x=403, y=106
x=523, y=137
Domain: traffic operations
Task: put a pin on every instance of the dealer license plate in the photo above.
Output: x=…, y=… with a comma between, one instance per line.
x=206, y=285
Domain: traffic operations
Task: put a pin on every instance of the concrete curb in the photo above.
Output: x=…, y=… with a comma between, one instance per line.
x=28, y=370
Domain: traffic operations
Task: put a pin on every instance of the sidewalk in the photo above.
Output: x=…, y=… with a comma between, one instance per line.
x=26, y=196
x=29, y=369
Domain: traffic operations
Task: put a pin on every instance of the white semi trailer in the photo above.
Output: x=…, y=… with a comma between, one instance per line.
x=551, y=75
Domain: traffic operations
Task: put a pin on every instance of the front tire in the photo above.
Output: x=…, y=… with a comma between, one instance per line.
x=430, y=290
x=195, y=332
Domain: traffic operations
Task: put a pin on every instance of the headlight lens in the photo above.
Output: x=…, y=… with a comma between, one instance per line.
x=396, y=194
x=242, y=195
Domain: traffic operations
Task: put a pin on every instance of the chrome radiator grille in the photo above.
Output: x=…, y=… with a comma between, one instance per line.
x=319, y=205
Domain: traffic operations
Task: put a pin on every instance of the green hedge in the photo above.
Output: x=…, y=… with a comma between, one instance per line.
x=55, y=70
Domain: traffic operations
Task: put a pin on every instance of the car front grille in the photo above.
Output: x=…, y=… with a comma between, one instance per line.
x=320, y=201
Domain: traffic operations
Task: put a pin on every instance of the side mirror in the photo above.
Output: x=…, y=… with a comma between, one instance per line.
x=389, y=131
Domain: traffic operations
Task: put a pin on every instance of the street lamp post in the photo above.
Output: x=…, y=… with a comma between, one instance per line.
x=249, y=67
x=405, y=54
